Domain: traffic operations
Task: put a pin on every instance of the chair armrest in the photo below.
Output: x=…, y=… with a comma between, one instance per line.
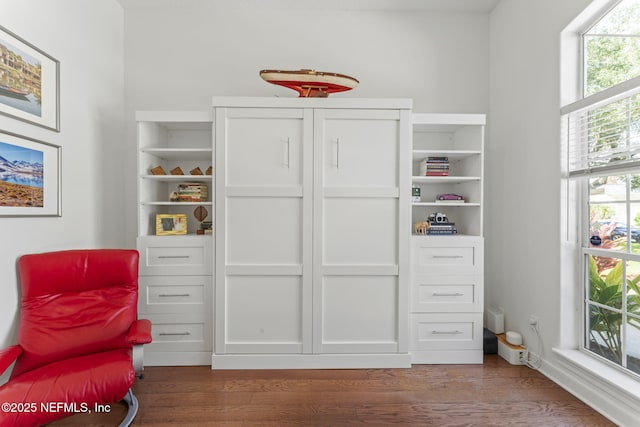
x=140, y=332
x=8, y=356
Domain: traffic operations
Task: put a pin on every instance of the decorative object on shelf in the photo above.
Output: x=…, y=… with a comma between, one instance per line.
x=29, y=176
x=310, y=83
x=439, y=225
x=421, y=227
x=173, y=196
x=191, y=192
x=449, y=198
x=158, y=170
x=438, y=218
x=415, y=193
x=170, y=224
x=201, y=213
x=209, y=171
x=176, y=171
x=206, y=227
x=195, y=171
x=435, y=166
x=29, y=82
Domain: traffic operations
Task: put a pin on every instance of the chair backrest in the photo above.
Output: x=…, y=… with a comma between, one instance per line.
x=74, y=303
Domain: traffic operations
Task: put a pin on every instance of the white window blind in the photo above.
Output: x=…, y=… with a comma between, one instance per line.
x=602, y=132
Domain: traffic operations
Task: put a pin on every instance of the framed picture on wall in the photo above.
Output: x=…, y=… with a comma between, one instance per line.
x=29, y=82
x=29, y=176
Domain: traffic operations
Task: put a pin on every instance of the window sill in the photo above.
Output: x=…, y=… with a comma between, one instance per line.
x=601, y=371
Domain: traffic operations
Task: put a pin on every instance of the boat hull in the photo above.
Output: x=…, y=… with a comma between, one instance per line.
x=309, y=83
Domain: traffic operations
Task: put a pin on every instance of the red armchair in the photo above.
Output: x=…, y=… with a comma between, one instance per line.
x=76, y=337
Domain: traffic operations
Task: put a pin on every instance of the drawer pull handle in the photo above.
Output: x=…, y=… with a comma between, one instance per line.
x=166, y=334
x=173, y=295
x=456, y=332
x=452, y=294
x=173, y=256
x=448, y=256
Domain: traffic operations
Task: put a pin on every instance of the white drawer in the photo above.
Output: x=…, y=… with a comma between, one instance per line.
x=180, y=332
x=436, y=294
x=446, y=331
x=174, y=294
x=176, y=255
x=447, y=255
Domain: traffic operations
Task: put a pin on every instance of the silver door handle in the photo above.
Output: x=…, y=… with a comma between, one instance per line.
x=446, y=332
x=174, y=295
x=454, y=294
x=164, y=334
x=286, y=153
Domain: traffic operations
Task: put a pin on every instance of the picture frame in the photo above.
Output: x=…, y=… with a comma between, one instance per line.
x=30, y=175
x=29, y=82
x=171, y=224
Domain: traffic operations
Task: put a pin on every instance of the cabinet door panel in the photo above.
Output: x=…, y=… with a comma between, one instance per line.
x=265, y=148
x=360, y=148
x=360, y=231
x=264, y=230
x=359, y=314
x=264, y=314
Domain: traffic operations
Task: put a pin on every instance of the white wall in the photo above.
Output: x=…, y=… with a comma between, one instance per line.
x=87, y=39
x=523, y=162
x=523, y=188
x=179, y=53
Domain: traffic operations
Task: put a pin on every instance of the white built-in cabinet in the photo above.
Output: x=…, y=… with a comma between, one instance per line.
x=176, y=271
x=312, y=263
x=447, y=272
x=311, y=233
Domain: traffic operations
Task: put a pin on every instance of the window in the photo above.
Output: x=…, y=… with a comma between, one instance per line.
x=601, y=139
x=612, y=48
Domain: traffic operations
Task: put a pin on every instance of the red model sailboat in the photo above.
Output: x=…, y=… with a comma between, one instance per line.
x=310, y=83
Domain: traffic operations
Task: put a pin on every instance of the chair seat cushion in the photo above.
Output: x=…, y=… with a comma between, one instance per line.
x=66, y=387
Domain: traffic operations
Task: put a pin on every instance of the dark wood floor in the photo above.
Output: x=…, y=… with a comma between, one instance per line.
x=495, y=393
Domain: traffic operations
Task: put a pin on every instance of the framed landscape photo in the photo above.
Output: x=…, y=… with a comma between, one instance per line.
x=29, y=176
x=29, y=82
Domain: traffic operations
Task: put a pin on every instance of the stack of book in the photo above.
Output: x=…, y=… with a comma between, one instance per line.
x=442, y=229
x=192, y=192
x=435, y=166
x=207, y=226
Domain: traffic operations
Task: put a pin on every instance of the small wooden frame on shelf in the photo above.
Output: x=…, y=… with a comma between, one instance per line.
x=171, y=224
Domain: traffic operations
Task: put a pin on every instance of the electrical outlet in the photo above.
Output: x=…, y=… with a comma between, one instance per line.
x=533, y=320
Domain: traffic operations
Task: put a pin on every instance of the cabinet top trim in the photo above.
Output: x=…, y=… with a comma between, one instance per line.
x=331, y=102
x=448, y=119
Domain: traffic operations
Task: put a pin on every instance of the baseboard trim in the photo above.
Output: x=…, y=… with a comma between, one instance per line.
x=447, y=357
x=309, y=361
x=614, y=401
x=177, y=358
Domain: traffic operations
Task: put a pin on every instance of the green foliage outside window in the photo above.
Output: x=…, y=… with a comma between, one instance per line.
x=612, y=48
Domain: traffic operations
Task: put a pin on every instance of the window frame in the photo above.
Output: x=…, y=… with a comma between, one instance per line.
x=576, y=196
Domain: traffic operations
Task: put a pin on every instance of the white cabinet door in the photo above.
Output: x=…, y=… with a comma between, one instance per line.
x=263, y=228
x=359, y=302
